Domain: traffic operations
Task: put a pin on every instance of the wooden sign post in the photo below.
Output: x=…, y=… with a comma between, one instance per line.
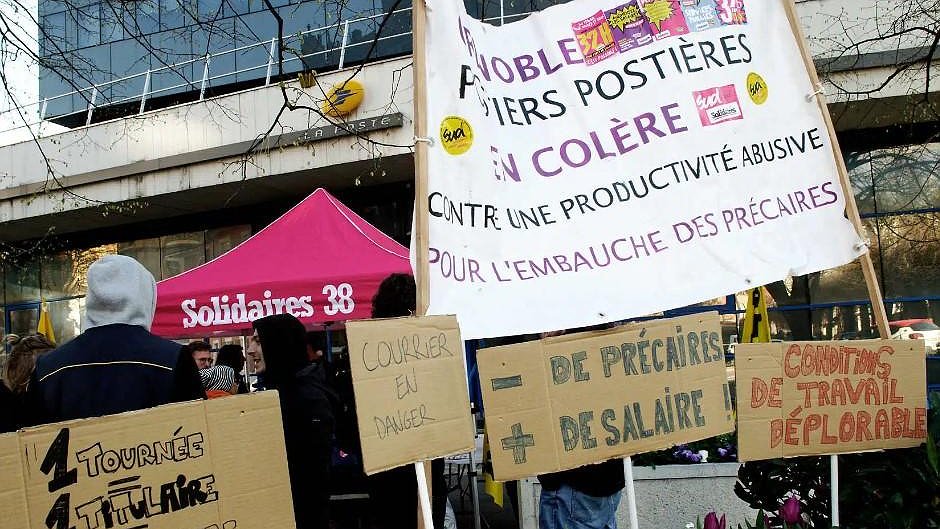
x=422, y=143
x=851, y=210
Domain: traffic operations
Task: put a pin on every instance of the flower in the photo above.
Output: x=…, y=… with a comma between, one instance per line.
x=790, y=510
x=704, y=455
x=713, y=522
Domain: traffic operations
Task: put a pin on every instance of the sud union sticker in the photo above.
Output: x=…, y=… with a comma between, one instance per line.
x=757, y=88
x=456, y=135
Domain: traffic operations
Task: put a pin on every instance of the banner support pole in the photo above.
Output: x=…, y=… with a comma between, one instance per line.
x=631, y=492
x=421, y=252
x=851, y=212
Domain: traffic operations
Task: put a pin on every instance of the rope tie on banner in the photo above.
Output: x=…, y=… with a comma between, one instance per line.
x=820, y=90
x=863, y=245
x=429, y=141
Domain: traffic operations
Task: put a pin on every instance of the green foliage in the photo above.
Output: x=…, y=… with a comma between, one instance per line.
x=758, y=524
x=894, y=489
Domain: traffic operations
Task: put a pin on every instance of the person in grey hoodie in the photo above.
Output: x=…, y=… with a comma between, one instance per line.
x=116, y=364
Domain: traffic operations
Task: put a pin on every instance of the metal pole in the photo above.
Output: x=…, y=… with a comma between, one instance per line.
x=205, y=77
x=342, y=49
x=834, y=489
x=91, y=104
x=143, y=95
x=42, y=108
x=502, y=13
x=472, y=476
x=271, y=52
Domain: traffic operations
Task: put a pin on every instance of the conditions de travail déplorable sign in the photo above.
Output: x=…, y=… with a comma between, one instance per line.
x=626, y=156
x=811, y=398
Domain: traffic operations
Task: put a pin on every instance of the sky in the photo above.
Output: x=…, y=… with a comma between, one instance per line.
x=21, y=72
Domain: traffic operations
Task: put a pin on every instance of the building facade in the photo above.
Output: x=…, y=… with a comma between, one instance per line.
x=161, y=164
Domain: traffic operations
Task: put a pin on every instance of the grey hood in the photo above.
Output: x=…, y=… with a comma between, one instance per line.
x=120, y=290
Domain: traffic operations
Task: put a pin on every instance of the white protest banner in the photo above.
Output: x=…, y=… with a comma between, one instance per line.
x=603, y=160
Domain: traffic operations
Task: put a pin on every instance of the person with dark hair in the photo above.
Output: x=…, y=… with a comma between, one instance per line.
x=307, y=411
x=316, y=346
x=115, y=365
x=394, y=493
x=230, y=355
x=397, y=296
x=14, y=405
x=202, y=354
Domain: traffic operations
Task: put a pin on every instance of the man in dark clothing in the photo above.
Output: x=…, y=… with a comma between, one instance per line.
x=582, y=498
x=307, y=410
x=394, y=493
x=115, y=365
x=7, y=404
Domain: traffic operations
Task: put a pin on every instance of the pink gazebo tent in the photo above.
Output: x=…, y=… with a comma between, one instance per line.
x=319, y=261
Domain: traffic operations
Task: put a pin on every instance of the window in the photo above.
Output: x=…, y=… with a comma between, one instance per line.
x=146, y=19
x=146, y=251
x=87, y=26
x=111, y=27
x=221, y=240
x=182, y=252
x=24, y=321
x=64, y=273
x=66, y=318
x=215, y=38
x=53, y=35
x=910, y=254
x=257, y=29
x=172, y=15
x=22, y=281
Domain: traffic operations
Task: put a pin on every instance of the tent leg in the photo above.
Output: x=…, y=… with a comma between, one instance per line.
x=329, y=344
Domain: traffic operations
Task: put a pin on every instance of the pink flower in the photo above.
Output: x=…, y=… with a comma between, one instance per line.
x=790, y=511
x=712, y=521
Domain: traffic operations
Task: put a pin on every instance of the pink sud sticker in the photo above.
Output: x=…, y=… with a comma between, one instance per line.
x=717, y=105
x=595, y=38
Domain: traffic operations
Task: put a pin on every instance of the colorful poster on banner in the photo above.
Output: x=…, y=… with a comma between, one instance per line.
x=595, y=38
x=660, y=177
x=578, y=399
x=665, y=17
x=701, y=15
x=630, y=28
x=732, y=12
x=814, y=398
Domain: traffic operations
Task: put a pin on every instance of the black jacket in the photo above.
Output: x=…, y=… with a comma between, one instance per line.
x=600, y=480
x=308, y=412
x=112, y=369
x=8, y=410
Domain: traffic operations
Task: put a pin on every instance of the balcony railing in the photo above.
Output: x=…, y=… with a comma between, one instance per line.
x=33, y=115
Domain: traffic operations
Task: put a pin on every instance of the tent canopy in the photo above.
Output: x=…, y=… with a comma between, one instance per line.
x=319, y=261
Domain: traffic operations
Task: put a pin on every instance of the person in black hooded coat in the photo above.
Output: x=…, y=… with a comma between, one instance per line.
x=307, y=410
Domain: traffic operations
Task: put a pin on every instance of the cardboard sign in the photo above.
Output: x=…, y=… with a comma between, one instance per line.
x=612, y=150
x=811, y=398
x=412, y=401
x=566, y=402
x=217, y=464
